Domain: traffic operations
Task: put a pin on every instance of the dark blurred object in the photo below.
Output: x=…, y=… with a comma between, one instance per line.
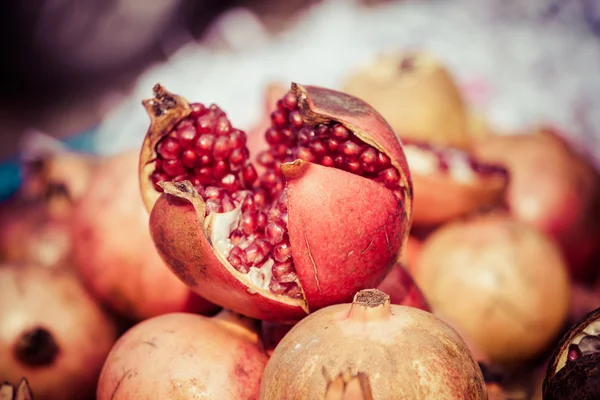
x=53, y=46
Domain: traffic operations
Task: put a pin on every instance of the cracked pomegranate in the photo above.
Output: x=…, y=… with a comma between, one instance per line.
x=573, y=369
x=132, y=279
x=403, y=351
x=500, y=281
x=326, y=216
x=52, y=332
x=449, y=183
x=185, y=356
x=553, y=188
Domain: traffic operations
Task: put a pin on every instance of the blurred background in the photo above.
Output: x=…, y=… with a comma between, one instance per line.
x=77, y=70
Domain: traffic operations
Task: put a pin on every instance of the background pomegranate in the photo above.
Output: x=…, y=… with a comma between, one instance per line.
x=177, y=356
x=113, y=250
x=52, y=332
x=262, y=246
x=500, y=281
x=403, y=351
x=553, y=188
x=417, y=95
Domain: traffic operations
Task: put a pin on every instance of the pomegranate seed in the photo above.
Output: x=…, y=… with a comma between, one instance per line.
x=237, y=258
x=289, y=101
x=272, y=136
x=236, y=236
x=278, y=118
x=238, y=156
x=280, y=270
x=274, y=215
x=205, y=143
x=274, y=232
x=204, y=124
x=204, y=175
x=205, y=160
x=247, y=203
x=223, y=126
x=305, y=135
x=280, y=151
x=238, y=139
x=265, y=158
x=276, y=190
x=189, y=158
x=574, y=352
x=269, y=179
x=212, y=206
x=282, y=252
x=249, y=175
x=318, y=148
x=350, y=148
x=322, y=131
x=230, y=183
x=383, y=160
x=198, y=109
x=306, y=155
x=368, y=158
x=340, y=132
x=354, y=167
x=339, y=162
x=249, y=223
x=264, y=245
x=294, y=291
x=186, y=135
x=296, y=119
x=168, y=149
x=261, y=220
x=287, y=135
x=173, y=167
x=327, y=161
x=260, y=198
x=157, y=177
x=332, y=144
x=221, y=150
x=276, y=287
x=220, y=169
x=389, y=177
x=212, y=192
x=254, y=254
x=283, y=218
x=227, y=203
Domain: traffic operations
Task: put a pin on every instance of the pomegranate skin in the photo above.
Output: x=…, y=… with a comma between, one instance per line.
x=552, y=188
x=330, y=268
x=184, y=356
x=404, y=353
x=403, y=290
x=74, y=335
x=114, y=253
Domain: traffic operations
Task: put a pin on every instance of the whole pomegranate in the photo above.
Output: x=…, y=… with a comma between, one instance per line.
x=417, y=95
x=185, y=356
x=327, y=216
x=498, y=280
x=36, y=230
x=114, y=253
x=52, y=332
x=553, y=188
x=449, y=183
x=402, y=353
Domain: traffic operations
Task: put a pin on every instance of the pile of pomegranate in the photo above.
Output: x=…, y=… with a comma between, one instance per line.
x=373, y=242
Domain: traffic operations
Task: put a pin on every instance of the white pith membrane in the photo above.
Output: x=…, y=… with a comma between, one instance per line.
x=218, y=224
x=592, y=329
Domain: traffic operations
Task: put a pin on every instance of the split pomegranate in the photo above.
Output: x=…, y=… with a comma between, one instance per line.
x=500, y=281
x=185, y=356
x=402, y=289
x=35, y=230
x=405, y=353
x=573, y=369
x=449, y=183
x=113, y=251
x=553, y=188
x=52, y=332
x=327, y=216
x=22, y=391
x=417, y=95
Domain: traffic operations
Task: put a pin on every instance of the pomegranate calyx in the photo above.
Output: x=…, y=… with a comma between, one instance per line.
x=21, y=392
x=217, y=228
x=295, y=169
x=348, y=386
x=165, y=110
x=369, y=305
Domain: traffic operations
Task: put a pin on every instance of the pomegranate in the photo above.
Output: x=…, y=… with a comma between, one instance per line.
x=21, y=392
x=403, y=352
x=36, y=230
x=417, y=95
x=398, y=283
x=52, y=332
x=449, y=183
x=551, y=187
x=499, y=281
x=306, y=232
x=184, y=356
x=573, y=369
x=411, y=252
x=113, y=250
x=402, y=289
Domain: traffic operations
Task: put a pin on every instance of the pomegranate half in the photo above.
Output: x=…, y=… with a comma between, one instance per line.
x=327, y=216
x=403, y=353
